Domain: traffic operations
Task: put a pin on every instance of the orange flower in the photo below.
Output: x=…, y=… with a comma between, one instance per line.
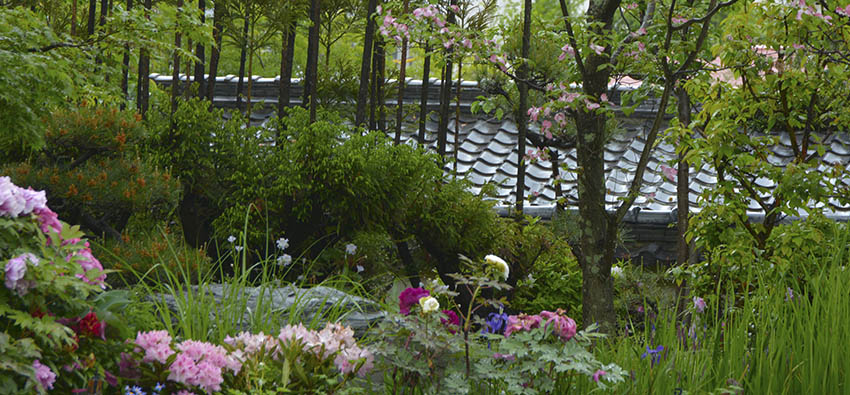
x=72, y=190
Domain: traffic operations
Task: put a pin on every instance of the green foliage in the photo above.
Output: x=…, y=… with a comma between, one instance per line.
x=548, y=273
x=33, y=83
x=91, y=172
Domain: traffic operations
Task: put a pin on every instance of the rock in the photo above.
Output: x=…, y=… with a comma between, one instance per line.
x=303, y=304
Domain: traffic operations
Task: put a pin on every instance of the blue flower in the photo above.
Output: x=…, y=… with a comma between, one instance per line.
x=496, y=323
x=655, y=354
x=159, y=387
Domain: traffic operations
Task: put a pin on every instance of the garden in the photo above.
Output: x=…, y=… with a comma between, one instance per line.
x=158, y=239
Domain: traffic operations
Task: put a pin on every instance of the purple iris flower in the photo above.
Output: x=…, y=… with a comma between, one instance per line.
x=655, y=354
x=496, y=323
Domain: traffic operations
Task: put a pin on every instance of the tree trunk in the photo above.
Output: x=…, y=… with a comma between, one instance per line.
x=402, y=69
x=373, y=91
x=311, y=72
x=365, y=62
x=683, y=183
x=143, y=84
x=74, y=18
x=522, y=111
x=286, y=55
x=175, y=75
x=423, y=95
x=104, y=9
x=381, y=62
x=200, y=54
x=243, y=54
x=457, y=114
x=250, y=76
x=125, y=67
x=215, y=54
x=92, y=15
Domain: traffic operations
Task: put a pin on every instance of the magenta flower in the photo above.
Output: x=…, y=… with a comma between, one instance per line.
x=155, y=344
x=451, y=320
x=522, y=322
x=563, y=326
x=409, y=297
x=599, y=373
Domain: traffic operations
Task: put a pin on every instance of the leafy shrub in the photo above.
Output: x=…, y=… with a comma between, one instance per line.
x=54, y=316
x=92, y=173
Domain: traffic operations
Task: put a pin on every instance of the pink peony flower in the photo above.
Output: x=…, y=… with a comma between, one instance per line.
x=44, y=374
x=16, y=269
x=409, y=297
x=48, y=220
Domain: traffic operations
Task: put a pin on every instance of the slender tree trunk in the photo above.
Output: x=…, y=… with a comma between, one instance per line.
x=457, y=115
x=423, y=95
x=556, y=176
x=243, y=54
x=74, y=18
x=250, y=75
x=402, y=69
x=104, y=9
x=373, y=92
x=381, y=62
x=125, y=67
x=286, y=55
x=311, y=72
x=187, y=86
x=365, y=62
x=175, y=75
x=143, y=84
x=683, y=183
x=215, y=54
x=92, y=15
x=522, y=111
x=200, y=54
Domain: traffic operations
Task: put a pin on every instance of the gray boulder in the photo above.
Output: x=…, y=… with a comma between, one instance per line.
x=285, y=304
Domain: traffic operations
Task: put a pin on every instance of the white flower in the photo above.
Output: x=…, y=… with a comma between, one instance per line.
x=360, y=269
x=498, y=263
x=282, y=243
x=429, y=304
x=616, y=272
x=239, y=248
x=284, y=260
x=231, y=239
x=350, y=249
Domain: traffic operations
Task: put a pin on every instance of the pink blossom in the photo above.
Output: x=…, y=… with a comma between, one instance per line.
x=455, y=8
x=16, y=269
x=467, y=43
x=843, y=11
x=563, y=326
x=44, y=374
x=451, y=320
x=561, y=119
x=599, y=373
x=569, y=97
x=641, y=46
x=347, y=359
x=444, y=30
x=48, y=220
x=590, y=105
x=545, y=129
x=631, y=6
x=597, y=48
x=448, y=44
x=440, y=22
x=12, y=201
x=533, y=113
x=566, y=50
x=155, y=344
x=604, y=98
x=669, y=172
x=678, y=19
x=388, y=19
x=506, y=357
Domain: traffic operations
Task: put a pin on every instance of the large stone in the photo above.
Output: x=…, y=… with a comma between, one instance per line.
x=302, y=304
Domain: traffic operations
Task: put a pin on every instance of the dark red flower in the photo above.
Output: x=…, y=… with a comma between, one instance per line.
x=451, y=320
x=91, y=326
x=410, y=297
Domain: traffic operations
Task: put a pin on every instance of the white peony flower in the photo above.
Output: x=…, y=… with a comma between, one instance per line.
x=429, y=304
x=498, y=263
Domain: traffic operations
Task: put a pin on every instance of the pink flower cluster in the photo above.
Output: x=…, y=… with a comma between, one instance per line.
x=201, y=364
x=425, y=20
x=333, y=340
x=16, y=201
x=155, y=344
x=563, y=326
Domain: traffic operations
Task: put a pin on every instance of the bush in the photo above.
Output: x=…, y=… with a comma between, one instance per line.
x=54, y=316
x=92, y=173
